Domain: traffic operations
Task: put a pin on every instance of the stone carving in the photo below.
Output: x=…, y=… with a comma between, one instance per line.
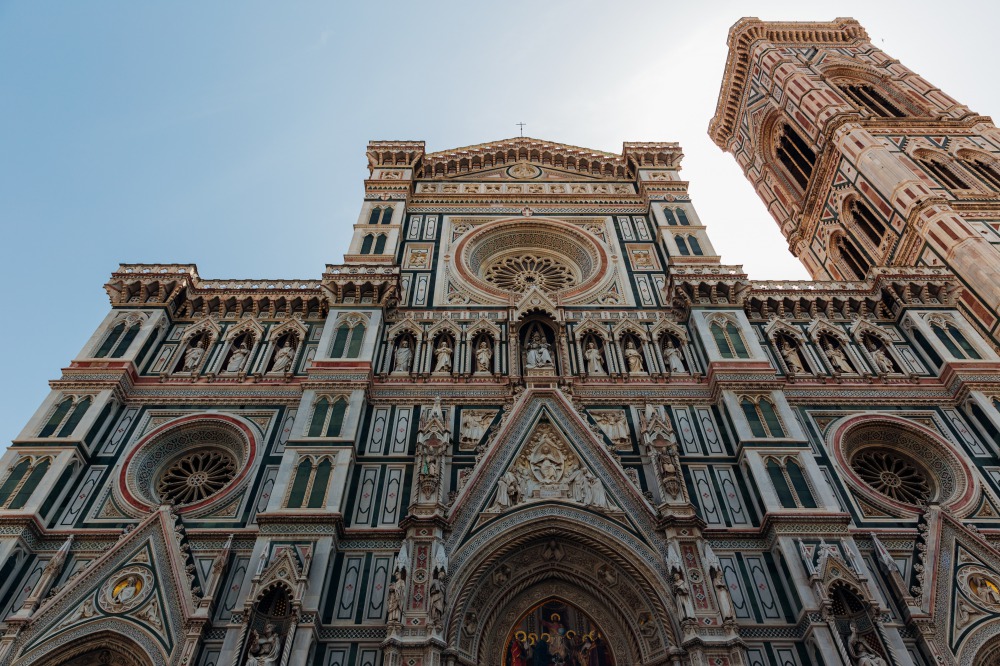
x=883, y=362
x=539, y=352
x=718, y=580
x=267, y=650
x=484, y=356
x=443, y=356
x=633, y=358
x=192, y=357
x=595, y=360
x=126, y=590
x=548, y=469
x=474, y=425
x=396, y=598
x=793, y=361
x=402, y=358
x=437, y=588
x=679, y=587
x=675, y=361
x=433, y=436
x=660, y=443
x=837, y=357
x=861, y=654
x=615, y=426
x=238, y=358
x=283, y=358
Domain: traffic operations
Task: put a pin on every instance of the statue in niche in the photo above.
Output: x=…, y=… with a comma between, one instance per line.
x=539, y=352
x=615, y=426
x=633, y=358
x=402, y=358
x=283, y=357
x=594, y=358
x=238, y=358
x=674, y=360
x=861, y=654
x=394, y=603
x=790, y=353
x=718, y=579
x=837, y=357
x=484, y=356
x=192, y=357
x=267, y=651
x=443, y=357
x=436, y=597
x=883, y=362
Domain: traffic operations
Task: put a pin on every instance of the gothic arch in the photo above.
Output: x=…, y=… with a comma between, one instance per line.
x=557, y=551
x=125, y=642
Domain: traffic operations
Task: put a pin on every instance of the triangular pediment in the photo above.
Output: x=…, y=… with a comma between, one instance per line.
x=139, y=588
x=546, y=454
x=524, y=158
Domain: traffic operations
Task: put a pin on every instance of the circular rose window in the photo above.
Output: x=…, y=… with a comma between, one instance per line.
x=509, y=257
x=898, y=465
x=520, y=272
x=190, y=463
x=893, y=475
x=196, y=476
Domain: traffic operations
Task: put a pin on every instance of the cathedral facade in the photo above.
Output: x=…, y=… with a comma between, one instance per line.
x=533, y=420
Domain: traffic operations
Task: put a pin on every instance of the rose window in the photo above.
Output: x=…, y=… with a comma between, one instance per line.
x=196, y=476
x=520, y=273
x=892, y=475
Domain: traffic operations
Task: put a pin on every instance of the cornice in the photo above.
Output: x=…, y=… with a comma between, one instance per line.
x=744, y=37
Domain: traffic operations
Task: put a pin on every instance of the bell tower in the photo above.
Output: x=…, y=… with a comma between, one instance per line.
x=862, y=162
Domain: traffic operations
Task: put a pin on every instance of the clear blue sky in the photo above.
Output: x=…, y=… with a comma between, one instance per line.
x=232, y=134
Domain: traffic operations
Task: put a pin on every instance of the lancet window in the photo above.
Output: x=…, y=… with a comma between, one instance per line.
x=795, y=155
x=872, y=99
x=22, y=480
x=984, y=168
x=943, y=169
x=729, y=340
x=954, y=340
x=348, y=338
x=857, y=264
x=373, y=244
x=65, y=417
x=328, y=417
x=762, y=417
x=867, y=222
x=790, y=483
x=380, y=215
x=312, y=478
x=117, y=342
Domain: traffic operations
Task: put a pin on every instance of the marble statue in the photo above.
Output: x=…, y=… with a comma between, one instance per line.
x=595, y=363
x=633, y=358
x=402, y=358
x=674, y=360
x=792, y=360
x=484, y=355
x=838, y=359
x=283, y=358
x=267, y=651
x=238, y=358
x=443, y=356
x=539, y=352
x=192, y=357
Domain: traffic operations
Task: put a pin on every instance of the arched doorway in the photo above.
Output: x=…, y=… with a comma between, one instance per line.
x=557, y=633
x=104, y=648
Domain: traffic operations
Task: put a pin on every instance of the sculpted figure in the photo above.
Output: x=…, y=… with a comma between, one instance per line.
x=443, y=356
x=792, y=360
x=267, y=650
x=128, y=591
x=508, y=491
x=633, y=358
x=192, y=357
x=436, y=594
x=283, y=358
x=674, y=360
x=539, y=352
x=860, y=652
x=838, y=359
x=882, y=359
x=483, y=357
x=402, y=358
x=595, y=363
x=394, y=603
x=238, y=358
